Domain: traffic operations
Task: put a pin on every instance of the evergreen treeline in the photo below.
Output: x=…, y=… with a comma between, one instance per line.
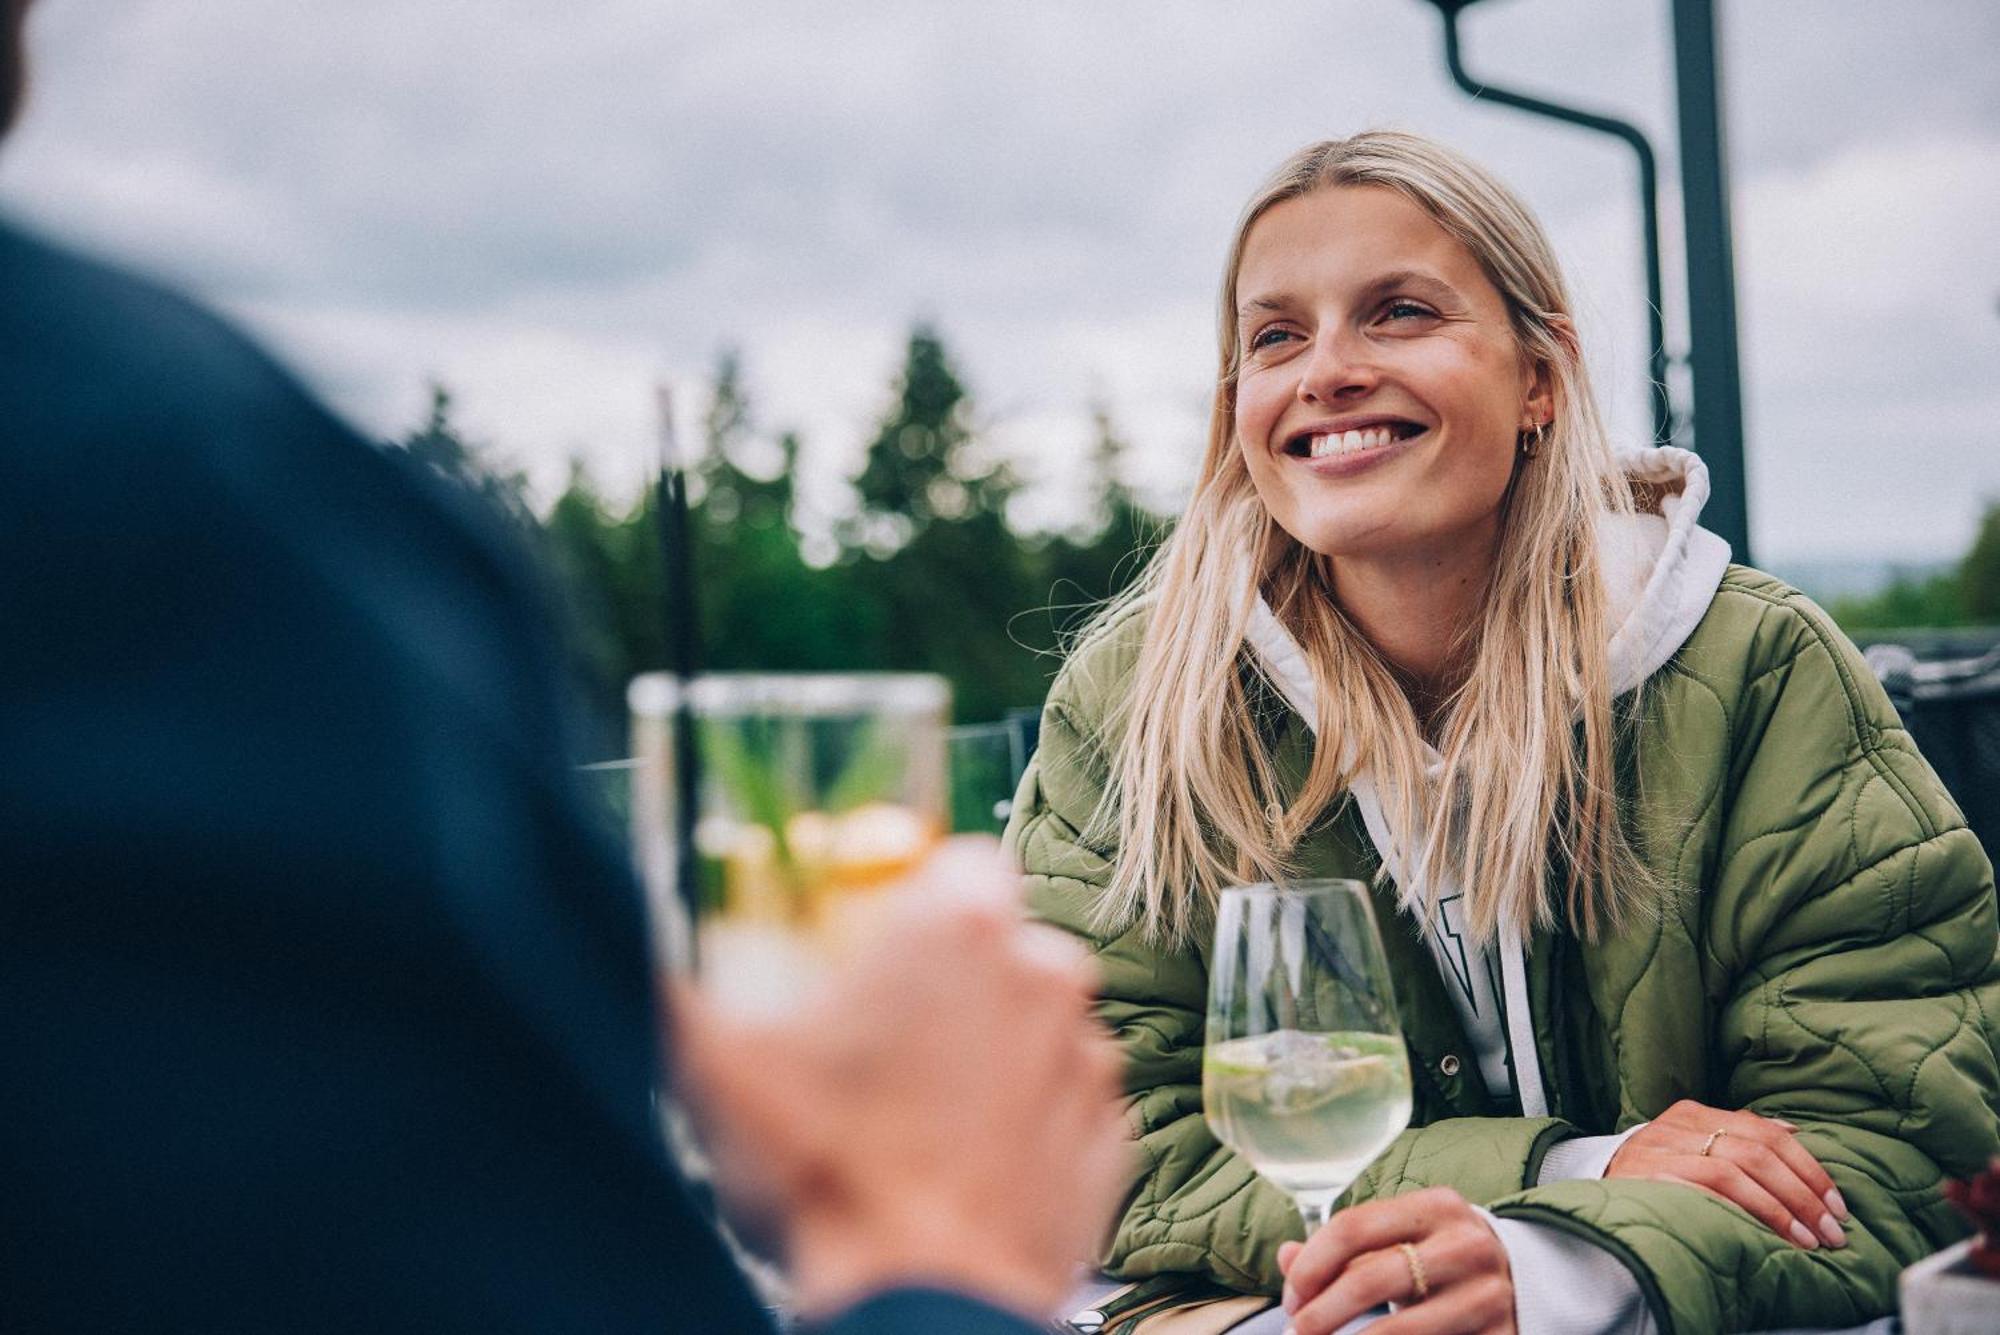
x=920, y=570
x=1968, y=595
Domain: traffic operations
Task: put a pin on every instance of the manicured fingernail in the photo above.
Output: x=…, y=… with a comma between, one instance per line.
x=1803, y=1236
x=1831, y=1231
x=1789, y=1126
x=1836, y=1203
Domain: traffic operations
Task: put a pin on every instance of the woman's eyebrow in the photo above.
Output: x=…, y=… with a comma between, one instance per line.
x=1416, y=279
x=1277, y=301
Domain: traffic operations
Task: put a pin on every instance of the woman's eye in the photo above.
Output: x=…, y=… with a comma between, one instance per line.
x=1406, y=310
x=1265, y=338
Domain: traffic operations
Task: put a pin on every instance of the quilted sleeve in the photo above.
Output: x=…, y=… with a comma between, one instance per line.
x=1848, y=924
x=1196, y=1207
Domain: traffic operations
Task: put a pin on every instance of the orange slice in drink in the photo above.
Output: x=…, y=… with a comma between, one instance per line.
x=877, y=845
x=870, y=848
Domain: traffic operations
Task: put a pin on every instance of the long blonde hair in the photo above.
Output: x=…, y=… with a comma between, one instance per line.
x=1524, y=813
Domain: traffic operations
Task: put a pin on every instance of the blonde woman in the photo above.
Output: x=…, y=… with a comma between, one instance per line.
x=1695, y=958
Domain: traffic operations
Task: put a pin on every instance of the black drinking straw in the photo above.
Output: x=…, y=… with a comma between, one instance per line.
x=683, y=626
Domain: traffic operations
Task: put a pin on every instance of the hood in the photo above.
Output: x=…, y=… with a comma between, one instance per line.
x=1661, y=568
x=1660, y=572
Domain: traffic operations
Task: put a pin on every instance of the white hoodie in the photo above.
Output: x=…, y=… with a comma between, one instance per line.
x=1660, y=571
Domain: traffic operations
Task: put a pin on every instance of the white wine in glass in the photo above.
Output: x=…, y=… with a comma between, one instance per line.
x=1304, y=1074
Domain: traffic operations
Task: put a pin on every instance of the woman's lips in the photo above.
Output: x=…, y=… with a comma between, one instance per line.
x=1353, y=442
x=1353, y=452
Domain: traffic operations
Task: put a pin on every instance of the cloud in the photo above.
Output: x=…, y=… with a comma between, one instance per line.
x=1869, y=289
x=535, y=393
x=555, y=208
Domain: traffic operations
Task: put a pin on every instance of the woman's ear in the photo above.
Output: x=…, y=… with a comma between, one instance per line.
x=1539, y=406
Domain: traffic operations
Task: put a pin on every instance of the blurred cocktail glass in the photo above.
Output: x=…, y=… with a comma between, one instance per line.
x=818, y=792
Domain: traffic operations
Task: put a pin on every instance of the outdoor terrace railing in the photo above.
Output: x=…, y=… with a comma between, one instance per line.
x=1952, y=707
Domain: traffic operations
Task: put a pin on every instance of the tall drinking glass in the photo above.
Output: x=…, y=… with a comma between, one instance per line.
x=818, y=792
x=1304, y=1074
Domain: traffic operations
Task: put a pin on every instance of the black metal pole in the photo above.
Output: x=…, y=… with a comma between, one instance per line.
x=1649, y=204
x=1712, y=349
x=682, y=622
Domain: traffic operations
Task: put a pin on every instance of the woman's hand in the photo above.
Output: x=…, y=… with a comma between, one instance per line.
x=1751, y=1161
x=1428, y=1252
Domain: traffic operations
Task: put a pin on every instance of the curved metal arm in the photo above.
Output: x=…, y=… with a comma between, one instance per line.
x=1649, y=198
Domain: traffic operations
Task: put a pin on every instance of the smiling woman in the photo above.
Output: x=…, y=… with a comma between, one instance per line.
x=1348, y=364
x=1675, y=910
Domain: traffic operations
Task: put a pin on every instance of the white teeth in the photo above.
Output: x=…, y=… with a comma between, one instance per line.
x=1350, y=442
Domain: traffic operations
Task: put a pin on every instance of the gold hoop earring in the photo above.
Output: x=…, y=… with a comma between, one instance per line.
x=1531, y=444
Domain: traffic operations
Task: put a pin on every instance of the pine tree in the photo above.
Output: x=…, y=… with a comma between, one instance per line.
x=439, y=446
x=922, y=466
x=929, y=559
x=580, y=540
x=930, y=577
x=1111, y=500
x=1979, y=572
x=1092, y=564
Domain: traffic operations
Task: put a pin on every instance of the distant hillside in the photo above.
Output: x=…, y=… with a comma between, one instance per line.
x=1825, y=580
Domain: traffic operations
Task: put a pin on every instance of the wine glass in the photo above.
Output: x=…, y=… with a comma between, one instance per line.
x=1304, y=1074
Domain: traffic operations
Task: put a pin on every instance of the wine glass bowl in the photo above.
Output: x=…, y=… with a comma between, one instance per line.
x=1304, y=1074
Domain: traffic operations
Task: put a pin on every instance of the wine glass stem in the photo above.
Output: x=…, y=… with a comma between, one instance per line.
x=1315, y=1207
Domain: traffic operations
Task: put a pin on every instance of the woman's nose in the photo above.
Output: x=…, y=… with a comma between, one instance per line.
x=1336, y=369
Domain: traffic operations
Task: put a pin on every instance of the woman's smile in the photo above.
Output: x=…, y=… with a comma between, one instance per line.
x=1347, y=446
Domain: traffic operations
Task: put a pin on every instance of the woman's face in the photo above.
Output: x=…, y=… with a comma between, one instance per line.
x=1382, y=393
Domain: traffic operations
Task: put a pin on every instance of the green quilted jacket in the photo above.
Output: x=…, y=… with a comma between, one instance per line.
x=1827, y=955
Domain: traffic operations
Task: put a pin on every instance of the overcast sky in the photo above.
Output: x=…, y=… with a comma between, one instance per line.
x=552, y=208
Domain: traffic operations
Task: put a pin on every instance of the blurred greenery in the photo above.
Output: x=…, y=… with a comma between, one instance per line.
x=919, y=569
x=1979, y=574
x=1967, y=595
x=1908, y=601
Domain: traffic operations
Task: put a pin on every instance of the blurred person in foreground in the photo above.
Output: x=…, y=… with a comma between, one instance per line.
x=326, y=1007
x=1694, y=957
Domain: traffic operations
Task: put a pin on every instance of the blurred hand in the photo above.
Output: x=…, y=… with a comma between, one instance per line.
x=1752, y=1161
x=945, y=1111
x=1357, y=1262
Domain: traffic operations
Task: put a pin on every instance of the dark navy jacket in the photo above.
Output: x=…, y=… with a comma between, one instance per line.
x=323, y=1004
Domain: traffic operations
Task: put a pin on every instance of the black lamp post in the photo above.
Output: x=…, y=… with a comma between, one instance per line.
x=1712, y=357
x=681, y=618
x=1711, y=268
x=1649, y=199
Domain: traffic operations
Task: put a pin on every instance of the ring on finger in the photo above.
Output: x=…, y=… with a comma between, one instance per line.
x=1708, y=1145
x=1420, y=1287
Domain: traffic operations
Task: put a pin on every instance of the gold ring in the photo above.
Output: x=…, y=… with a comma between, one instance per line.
x=1419, y=1286
x=1709, y=1144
